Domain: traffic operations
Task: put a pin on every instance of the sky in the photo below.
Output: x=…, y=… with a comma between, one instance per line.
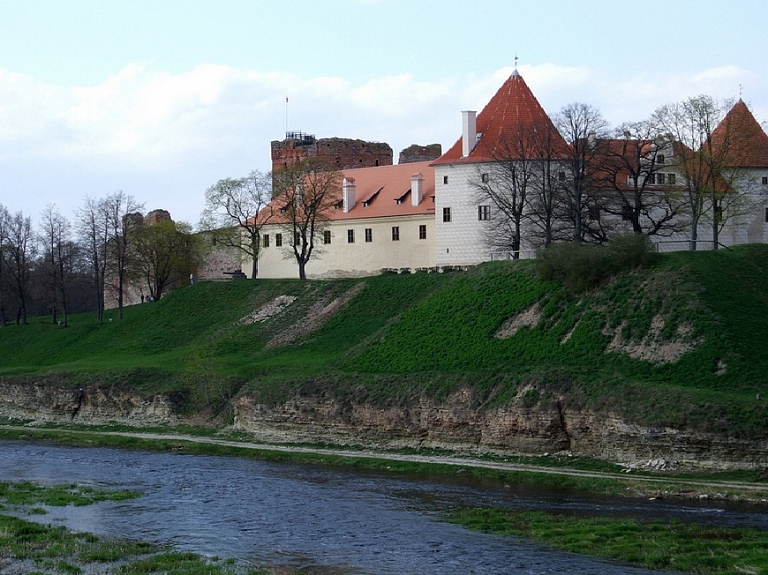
x=163, y=98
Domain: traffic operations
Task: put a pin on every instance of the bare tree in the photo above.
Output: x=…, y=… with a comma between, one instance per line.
x=709, y=181
x=505, y=183
x=18, y=254
x=94, y=230
x=630, y=167
x=582, y=126
x=119, y=208
x=60, y=253
x=305, y=195
x=547, y=197
x=4, y=224
x=231, y=210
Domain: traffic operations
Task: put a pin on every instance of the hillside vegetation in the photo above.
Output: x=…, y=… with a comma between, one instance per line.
x=682, y=342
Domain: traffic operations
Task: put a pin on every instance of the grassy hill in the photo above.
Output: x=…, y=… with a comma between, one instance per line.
x=683, y=342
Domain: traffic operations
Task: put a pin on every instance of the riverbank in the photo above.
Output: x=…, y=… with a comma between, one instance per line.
x=558, y=471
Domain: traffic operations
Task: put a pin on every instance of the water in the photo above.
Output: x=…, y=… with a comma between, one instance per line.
x=314, y=519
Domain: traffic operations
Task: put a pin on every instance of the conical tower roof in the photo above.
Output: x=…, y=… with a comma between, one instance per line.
x=746, y=142
x=512, y=123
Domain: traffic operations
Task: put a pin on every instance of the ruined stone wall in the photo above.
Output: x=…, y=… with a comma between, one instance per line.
x=340, y=153
x=217, y=261
x=418, y=153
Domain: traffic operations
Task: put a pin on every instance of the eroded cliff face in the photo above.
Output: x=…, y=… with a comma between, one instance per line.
x=47, y=401
x=455, y=424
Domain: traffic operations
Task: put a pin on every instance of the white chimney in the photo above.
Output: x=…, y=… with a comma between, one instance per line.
x=592, y=140
x=348, y=194
x=468, y=132
x=417, y=189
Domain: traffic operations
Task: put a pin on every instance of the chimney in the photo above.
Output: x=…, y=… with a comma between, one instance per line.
x=417, y=189
x=348, y=194
x=592, y=140
x=468, y=132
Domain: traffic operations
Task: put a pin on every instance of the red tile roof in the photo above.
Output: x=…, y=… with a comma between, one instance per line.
x=748, y=147
x=378, y=191
x=513, y=113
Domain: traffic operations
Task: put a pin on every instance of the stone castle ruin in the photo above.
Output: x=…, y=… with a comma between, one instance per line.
x=344, y=153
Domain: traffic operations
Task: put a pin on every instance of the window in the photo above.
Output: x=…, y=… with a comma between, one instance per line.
x=296, y=239
x=660, y=179
x=561, y=176
x=350, y=236
x=446, y=214
x=485, y=178
x=594, y=213
x=423, y=232
x=278, y=240
x=395, y=233
x=266, y=240
x=326, y=237
x=626, y=212
x=368, y=235
x=483, y=213
x=671, y=178
x=652, y=179
x=660, y=159
x=445, y=180
x=765, y=180
x=766, y=215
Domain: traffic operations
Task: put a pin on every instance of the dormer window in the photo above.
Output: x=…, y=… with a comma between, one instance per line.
x=370, y=200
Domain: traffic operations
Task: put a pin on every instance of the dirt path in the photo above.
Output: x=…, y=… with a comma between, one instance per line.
x=699, y=488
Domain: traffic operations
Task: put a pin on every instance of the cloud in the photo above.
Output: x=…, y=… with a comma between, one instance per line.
x=165, y=138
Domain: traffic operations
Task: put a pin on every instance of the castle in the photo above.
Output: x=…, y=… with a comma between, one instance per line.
x=452, y=210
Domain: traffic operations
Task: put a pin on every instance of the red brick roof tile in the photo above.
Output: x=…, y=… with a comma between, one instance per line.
x=512, y=112
x=381, y=191
x=748, y=147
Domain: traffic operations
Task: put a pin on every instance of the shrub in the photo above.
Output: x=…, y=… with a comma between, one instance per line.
x=582, y=266
x=629, y=251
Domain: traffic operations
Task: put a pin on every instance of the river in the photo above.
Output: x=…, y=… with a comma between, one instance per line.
x=320, y=520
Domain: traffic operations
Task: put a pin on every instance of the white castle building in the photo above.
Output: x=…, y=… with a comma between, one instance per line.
x=434, y=214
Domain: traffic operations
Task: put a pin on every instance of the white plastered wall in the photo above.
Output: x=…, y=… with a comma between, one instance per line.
x=461, y=241
x=343, y=259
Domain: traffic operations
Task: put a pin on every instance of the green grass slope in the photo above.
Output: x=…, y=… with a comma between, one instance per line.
x=683, y=342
